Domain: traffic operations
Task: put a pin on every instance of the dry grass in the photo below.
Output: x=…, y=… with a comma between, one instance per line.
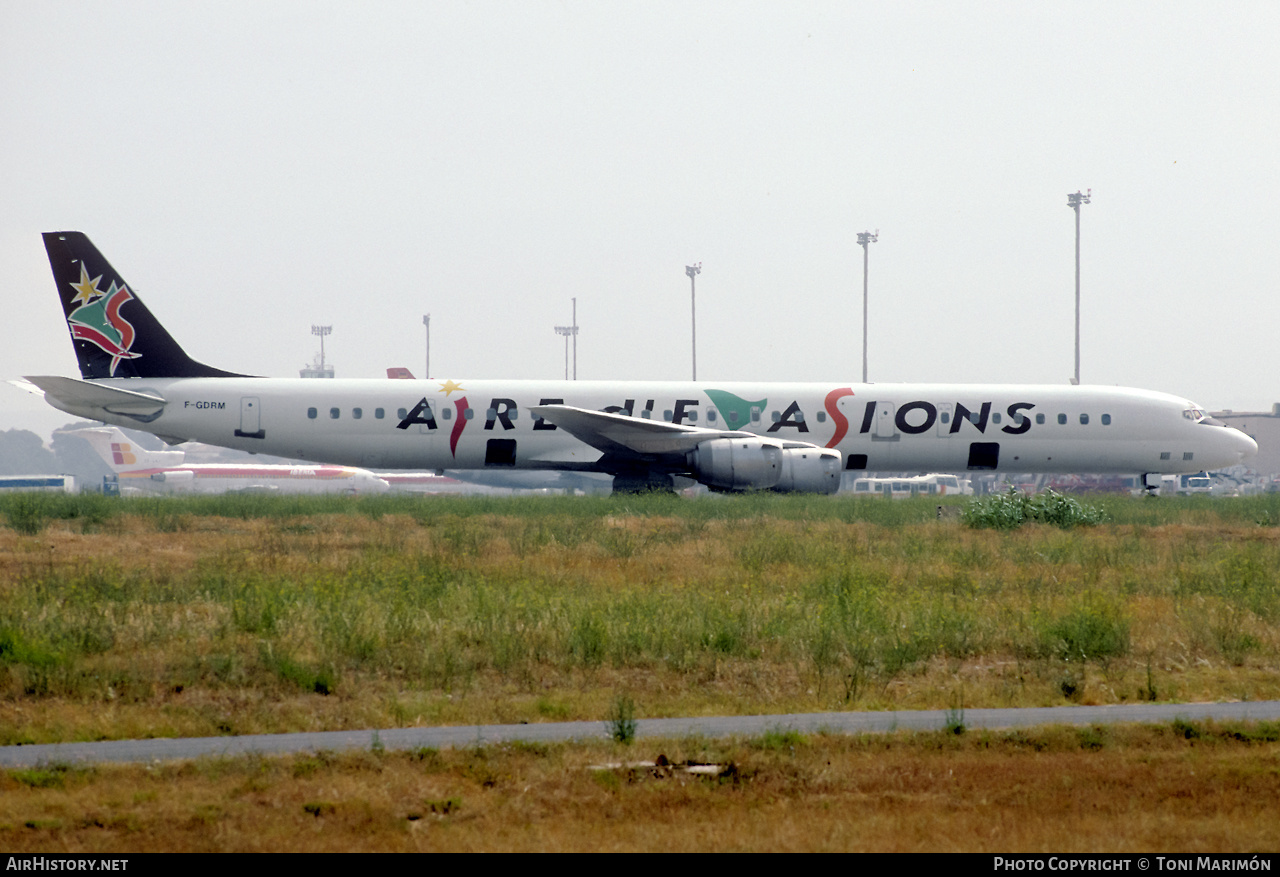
x=1159, y=789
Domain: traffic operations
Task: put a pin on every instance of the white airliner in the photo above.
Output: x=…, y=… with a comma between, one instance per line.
x=165, y=472
x=729, y=436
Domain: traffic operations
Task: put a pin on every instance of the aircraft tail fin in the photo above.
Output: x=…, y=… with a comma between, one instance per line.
x=123, y=454
x=113, y=333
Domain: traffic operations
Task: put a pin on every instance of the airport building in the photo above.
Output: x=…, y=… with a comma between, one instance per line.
x=1264, y=428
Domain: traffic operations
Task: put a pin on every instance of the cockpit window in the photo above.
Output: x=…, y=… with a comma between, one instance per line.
x=1199, y=415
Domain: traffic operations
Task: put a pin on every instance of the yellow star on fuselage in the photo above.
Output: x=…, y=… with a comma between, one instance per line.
x=449, y=386
x=86, y=288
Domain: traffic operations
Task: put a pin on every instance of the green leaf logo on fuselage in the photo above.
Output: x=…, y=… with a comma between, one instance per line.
x=735, y=410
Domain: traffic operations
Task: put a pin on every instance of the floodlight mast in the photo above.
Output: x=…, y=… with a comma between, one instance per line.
x=321, y=331
x=566, y=331
x=693, y=271
x=865, y=240
x=1074, y=202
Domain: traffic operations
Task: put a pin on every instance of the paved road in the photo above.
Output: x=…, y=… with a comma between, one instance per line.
x=718, y=726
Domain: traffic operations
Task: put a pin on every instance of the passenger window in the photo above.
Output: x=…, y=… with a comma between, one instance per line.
x=1062, y=419
x=693, y=416
x=380, y=413
x=1039, y=418
x=402, y=413
x=1084, y=419
x=946, y=417
x=1164, y=455
x=974, y=417
x=446, y=413
x=646, y=414
x=711, y=415
x=666, y=415
x=995, y=418
x=333, y=413
x=1188, y=455
x=822, y=417
x=777, y=416
x=357, y=413
x=311, y=412
x=1106, y=420
x=467, y=414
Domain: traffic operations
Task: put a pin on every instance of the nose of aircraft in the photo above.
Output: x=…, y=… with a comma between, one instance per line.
x=1234, y=447
x=1245, y=446
x=1224, y=446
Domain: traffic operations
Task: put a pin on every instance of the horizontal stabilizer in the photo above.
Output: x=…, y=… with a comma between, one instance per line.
x=122, y=453
x=27, y=387
x=83, y=397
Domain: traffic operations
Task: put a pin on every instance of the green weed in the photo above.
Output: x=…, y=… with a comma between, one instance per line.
x=622, y=720
x=1013, y=509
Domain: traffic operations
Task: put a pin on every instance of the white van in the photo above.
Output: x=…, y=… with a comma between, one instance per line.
x=1185, y=485
x=918, y=485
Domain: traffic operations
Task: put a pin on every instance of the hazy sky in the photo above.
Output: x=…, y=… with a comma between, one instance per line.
x=254, y=168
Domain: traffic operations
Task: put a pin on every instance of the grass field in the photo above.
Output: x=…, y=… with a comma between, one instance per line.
x=206, y=616
x=256, y=614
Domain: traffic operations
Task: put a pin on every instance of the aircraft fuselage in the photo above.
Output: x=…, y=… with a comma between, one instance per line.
x=420, y=424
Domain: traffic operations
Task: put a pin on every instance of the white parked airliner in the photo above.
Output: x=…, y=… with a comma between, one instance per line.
x=729, y=436
x=166, y=472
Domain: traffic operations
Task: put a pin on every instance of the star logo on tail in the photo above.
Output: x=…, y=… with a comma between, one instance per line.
x=86, y=289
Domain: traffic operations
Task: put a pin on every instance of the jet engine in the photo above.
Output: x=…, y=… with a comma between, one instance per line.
x=736, y=464
x=810, y=470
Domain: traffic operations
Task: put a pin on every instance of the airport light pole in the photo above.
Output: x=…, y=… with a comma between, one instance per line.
x=321, y=331
x=566, y=331
x=865, y=240
x=1074, y=202
x=575, y=338
x=693, y=271
x=426, y=321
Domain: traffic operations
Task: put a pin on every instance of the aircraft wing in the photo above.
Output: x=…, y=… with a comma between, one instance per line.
x=620, y=434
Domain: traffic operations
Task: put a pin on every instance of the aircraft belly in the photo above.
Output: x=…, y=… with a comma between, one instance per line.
x=954, y=453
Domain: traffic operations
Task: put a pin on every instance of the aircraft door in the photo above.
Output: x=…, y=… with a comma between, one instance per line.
x=885, y=427
x=250, y=419
x=944, y=418
x=433, y=425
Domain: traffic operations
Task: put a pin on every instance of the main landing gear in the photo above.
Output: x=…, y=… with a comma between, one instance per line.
x=643, y=482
